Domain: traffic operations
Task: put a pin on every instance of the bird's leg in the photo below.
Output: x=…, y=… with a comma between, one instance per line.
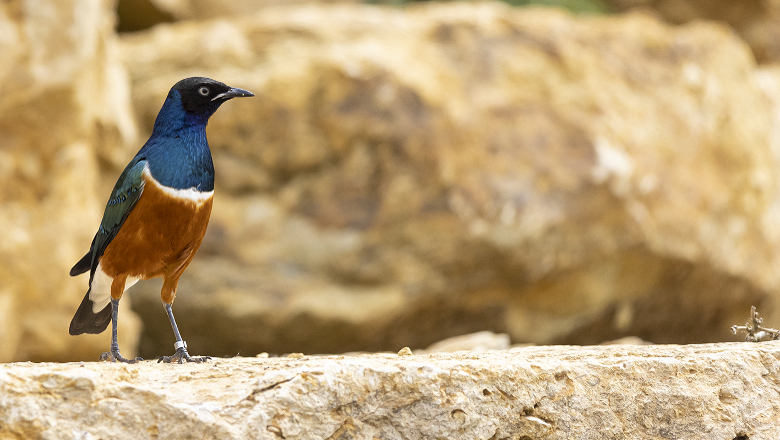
x=113, y=355
x=181, y=354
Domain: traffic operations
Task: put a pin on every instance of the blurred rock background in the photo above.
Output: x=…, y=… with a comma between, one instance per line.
x=407, y=172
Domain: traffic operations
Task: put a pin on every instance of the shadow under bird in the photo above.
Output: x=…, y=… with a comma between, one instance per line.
x=157, y=214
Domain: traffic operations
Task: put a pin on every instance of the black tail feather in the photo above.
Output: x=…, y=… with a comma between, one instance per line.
x=86, y=321
x=83, y=265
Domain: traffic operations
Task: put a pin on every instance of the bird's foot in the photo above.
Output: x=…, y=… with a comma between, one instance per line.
x=181, y=355
x=114, y=356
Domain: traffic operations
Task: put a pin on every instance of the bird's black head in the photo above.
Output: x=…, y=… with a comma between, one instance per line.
x=204, y=95
x=191, y=102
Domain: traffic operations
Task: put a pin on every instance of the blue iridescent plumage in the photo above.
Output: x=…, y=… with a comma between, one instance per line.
x=178, y=151
x=125, y=247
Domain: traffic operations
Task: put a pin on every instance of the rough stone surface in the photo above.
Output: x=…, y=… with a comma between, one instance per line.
x=719, y=391
x=756, y=21
x=64, y=105
x=405, y=175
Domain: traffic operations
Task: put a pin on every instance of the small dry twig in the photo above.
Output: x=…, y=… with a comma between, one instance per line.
x=755, y=332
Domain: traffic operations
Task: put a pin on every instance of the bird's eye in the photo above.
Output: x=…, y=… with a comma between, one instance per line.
x=204, y=91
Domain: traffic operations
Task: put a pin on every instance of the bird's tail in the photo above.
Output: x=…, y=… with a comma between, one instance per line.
x=87, y=321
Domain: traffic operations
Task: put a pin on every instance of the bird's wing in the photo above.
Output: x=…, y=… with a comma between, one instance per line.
x=125, y=195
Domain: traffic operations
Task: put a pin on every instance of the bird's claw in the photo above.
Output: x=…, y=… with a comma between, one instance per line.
x=180, y=356
x=114, y=356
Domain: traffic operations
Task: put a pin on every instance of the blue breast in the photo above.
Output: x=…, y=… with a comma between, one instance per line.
x=177, y=152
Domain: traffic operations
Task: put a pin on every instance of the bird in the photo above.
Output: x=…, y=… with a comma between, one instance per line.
x=156, y=215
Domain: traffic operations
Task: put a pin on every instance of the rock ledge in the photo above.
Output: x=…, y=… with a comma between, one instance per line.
x=718, y=391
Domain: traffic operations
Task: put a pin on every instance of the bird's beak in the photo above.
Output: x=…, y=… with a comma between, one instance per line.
x=233, y=93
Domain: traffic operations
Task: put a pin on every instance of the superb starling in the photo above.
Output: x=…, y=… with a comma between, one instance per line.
x=157, y=214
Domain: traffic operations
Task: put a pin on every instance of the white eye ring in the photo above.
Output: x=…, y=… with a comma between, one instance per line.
x=204, y=91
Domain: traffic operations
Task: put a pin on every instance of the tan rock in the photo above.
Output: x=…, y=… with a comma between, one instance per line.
x=757, y=22
x=410, y=175
x=63, y=94
x=719, y=391
x=208, y=9
x=479, y=342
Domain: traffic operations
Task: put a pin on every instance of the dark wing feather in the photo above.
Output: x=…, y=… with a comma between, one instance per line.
x=125, y=195
x=85, y=263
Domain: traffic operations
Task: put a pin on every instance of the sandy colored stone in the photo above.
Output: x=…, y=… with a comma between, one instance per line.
x=209, y=9
x=64, y=104
x=407, y=175
x=757, y=22
x=718, y=391
x=478, y=342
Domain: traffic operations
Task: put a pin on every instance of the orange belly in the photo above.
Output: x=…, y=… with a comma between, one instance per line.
x=159, y=238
